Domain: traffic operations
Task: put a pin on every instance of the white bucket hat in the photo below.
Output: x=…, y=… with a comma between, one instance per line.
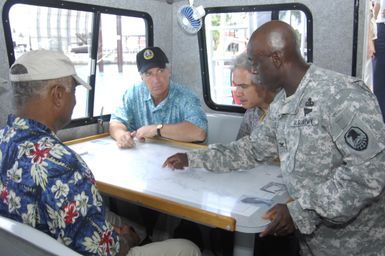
x=45, y=65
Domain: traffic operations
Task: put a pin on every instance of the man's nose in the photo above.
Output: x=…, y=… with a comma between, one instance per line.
x=155, y=78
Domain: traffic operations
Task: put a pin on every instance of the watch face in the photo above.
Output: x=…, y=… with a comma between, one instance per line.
x=158, y=127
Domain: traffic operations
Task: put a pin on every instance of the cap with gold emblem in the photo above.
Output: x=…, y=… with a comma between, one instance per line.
x=150, y=57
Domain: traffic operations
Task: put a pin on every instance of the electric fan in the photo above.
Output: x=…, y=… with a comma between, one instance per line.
x=189, y=17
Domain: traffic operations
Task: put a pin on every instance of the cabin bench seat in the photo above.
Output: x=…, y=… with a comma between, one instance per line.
x=223, y=128
x=18, y=239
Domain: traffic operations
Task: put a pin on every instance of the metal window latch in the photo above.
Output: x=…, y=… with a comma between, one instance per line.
x=100, y=126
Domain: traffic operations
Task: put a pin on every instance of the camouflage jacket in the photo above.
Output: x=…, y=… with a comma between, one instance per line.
x=330, y=139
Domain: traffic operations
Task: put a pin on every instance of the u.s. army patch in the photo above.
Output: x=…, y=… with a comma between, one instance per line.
x=356, y=138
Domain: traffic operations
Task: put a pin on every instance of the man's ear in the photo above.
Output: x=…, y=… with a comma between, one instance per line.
x=277, y=59
x=57, y=95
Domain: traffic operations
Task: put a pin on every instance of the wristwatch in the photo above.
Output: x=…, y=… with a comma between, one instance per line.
x=158, y=127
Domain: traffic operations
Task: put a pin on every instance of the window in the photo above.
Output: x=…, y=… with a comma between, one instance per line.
x=225, y=34
x=120, y=38
x=55, y=29
x=102, y=43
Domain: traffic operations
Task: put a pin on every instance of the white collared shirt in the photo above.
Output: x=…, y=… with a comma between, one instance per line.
x=380, y=15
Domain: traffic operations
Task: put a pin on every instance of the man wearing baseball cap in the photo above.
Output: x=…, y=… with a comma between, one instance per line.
x=157, y=106
x=45, y=184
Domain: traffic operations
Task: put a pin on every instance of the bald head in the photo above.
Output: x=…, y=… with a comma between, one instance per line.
x=274, y=36
x=275, y=56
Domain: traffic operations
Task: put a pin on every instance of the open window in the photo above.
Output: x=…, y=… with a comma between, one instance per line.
x=101, y=41
x=225, y=34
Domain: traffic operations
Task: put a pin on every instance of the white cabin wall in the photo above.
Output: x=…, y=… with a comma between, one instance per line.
x=5, y=92
x=332, y=41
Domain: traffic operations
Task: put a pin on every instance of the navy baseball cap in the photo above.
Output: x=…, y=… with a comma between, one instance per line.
x=150, y=57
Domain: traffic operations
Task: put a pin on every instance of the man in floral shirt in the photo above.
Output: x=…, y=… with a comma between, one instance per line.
x=45, y=184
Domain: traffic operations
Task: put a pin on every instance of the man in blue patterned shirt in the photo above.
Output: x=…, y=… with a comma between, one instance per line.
x=43, y=183
x=157, y=106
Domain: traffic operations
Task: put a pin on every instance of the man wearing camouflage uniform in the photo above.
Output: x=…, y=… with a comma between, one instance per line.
x=328, y=132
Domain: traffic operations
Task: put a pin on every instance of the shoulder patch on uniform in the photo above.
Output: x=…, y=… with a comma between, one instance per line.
x=356, y=138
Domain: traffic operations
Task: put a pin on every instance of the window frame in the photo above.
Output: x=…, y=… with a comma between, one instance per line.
x=97, y=10
x=274, y=8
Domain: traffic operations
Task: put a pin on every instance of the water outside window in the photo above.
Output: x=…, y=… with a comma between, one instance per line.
x=120, y=38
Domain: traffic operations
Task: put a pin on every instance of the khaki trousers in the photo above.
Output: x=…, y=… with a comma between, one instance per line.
x=169, y=247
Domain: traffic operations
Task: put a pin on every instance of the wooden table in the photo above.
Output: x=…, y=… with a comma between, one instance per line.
x=232, y=201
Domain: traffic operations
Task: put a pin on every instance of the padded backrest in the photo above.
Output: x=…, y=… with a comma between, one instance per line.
x=222, y=128
x=20, y=239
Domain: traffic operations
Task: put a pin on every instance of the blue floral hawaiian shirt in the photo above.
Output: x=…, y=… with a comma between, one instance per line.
x=45, y=184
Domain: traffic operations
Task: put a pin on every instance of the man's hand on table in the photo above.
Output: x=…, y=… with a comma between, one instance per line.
x=177, y=161
x=126, y=140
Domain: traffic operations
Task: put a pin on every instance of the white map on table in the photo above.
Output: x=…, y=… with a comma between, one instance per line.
x=140, y=169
